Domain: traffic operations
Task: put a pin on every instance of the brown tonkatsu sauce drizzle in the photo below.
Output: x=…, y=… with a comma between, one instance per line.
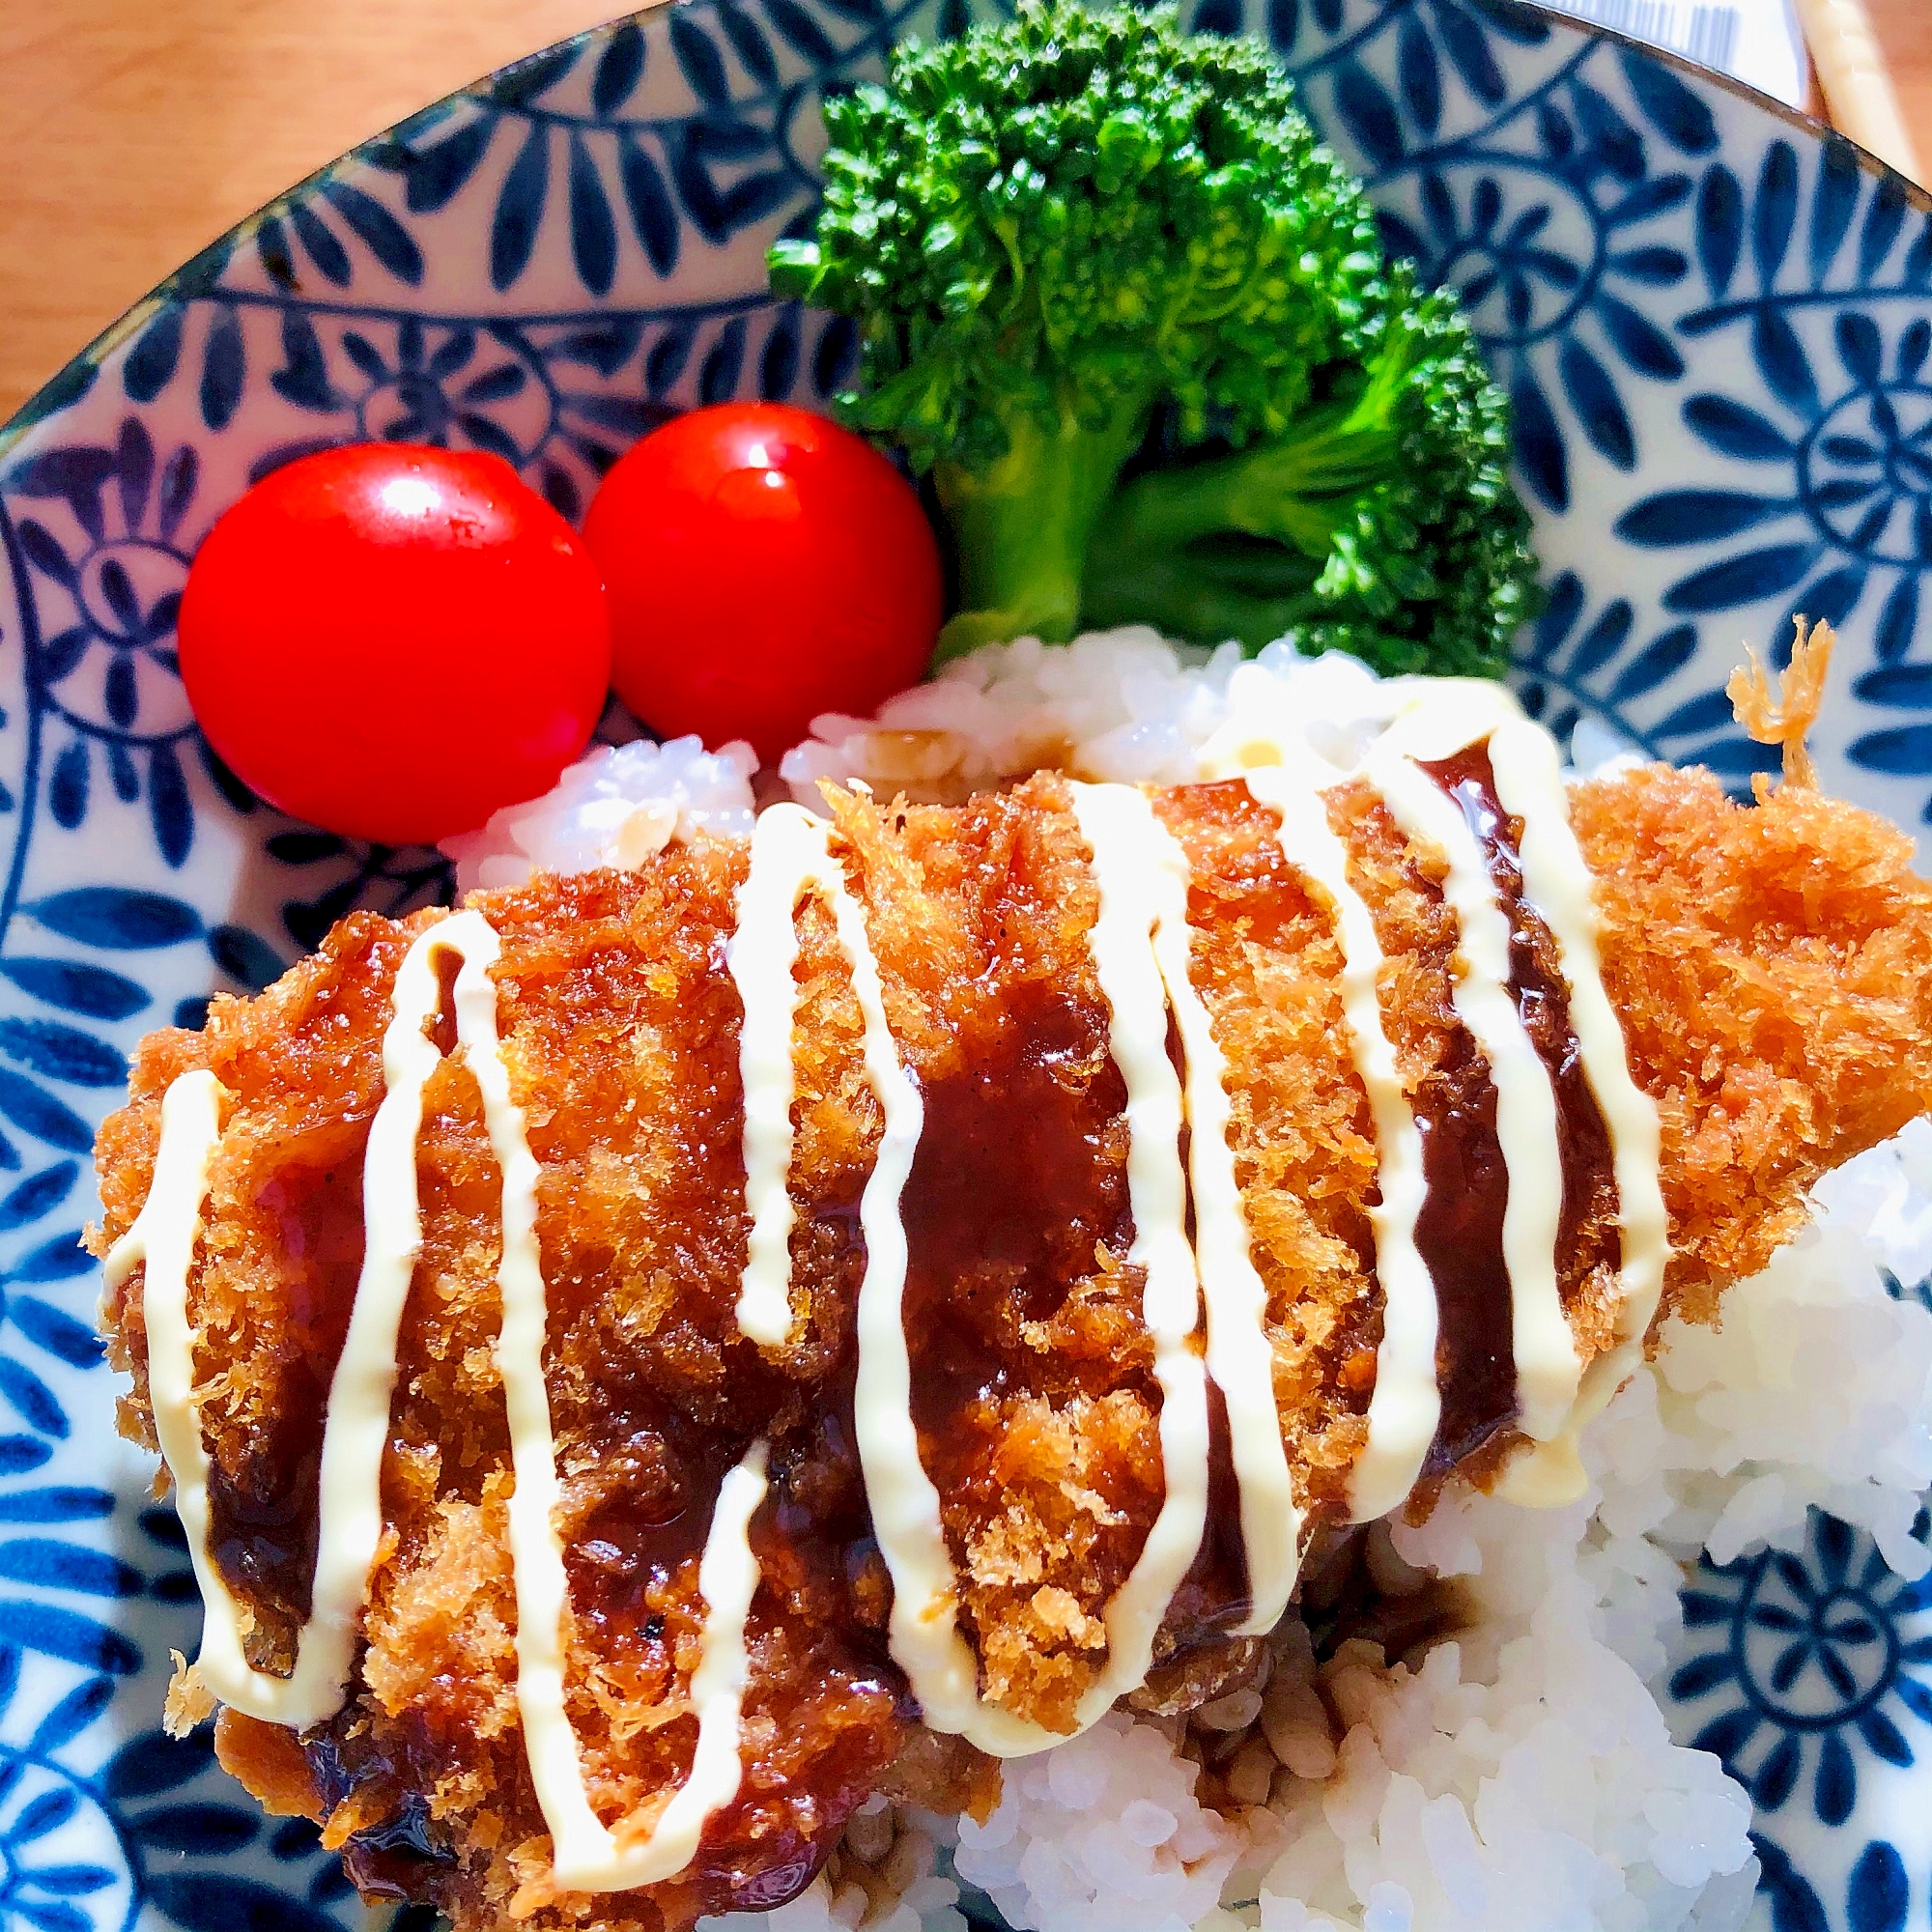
x=1017, y=1180
x=400, y=1858
x=813, y=1537
x=1213, y=1597
x=443, y=1029
x=262, y=1511
x=643, y=1531
x=1460, y=1229
x=262, y=1520
x=1459, y=1233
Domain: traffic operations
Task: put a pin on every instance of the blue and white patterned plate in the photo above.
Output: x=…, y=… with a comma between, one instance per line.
x=1715, y=322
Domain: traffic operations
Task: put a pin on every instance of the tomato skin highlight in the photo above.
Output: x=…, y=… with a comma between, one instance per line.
x=394, y=642
x=764, y=566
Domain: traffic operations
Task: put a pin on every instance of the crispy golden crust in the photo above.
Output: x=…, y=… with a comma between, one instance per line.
x=1771, y=968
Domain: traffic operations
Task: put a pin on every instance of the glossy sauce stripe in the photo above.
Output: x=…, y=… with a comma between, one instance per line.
x=1442, y=717
x=1529, y=785
x=1547, y=1365
x=1404, y=1409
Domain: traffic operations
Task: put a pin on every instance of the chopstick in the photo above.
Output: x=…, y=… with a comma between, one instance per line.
x=1852, y=79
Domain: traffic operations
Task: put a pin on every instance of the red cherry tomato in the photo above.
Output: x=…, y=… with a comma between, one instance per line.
x=392, y=641
x=764, y=565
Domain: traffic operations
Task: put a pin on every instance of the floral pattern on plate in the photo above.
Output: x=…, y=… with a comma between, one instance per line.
x=1715, y=323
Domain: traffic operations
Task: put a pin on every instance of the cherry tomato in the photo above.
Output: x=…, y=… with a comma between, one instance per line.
x=394, y=641
x=764, y=566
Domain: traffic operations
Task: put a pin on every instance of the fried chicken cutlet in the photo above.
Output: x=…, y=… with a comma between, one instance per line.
x=1769, y=967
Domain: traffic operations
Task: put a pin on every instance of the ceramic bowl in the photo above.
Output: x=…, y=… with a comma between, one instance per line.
x=1714, y=320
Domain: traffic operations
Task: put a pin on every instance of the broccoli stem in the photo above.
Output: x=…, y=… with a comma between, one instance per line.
x=1298, y=489
x=1207, y=594
x=1023, y=524
x=1230, y=546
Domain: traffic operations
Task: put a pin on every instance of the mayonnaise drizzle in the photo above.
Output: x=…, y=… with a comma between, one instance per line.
x=1406, y=1405
x=1146, y=964
x=1240, y=1357
x=927, y=1640
x=585, y=1856
x=788, y=854
x=791, y=854
x=163, y=1236
x=1529, y=786
x=1114, y=821
x=925, y=1635
x=1441, y=717
x=1433, y=719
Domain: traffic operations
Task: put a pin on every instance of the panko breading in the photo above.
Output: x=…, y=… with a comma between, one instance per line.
x=1770, y=966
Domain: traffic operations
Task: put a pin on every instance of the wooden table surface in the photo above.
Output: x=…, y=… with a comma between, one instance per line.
x=135, y=131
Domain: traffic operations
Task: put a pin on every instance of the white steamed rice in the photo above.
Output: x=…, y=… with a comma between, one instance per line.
x=1519, y=1777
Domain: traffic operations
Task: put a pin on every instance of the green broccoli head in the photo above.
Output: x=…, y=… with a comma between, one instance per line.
x=1054, y=232
x=1071, y=214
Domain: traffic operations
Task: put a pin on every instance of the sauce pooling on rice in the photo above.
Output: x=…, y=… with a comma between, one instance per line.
x=1476, y=1205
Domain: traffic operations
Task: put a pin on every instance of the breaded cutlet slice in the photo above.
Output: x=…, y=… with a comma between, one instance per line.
x=1771, y=968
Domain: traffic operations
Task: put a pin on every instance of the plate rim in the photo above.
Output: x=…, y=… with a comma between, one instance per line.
x=74, y=377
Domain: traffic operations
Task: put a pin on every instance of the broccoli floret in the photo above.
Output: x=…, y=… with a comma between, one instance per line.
x=1081, y=244
x=1380, y=523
